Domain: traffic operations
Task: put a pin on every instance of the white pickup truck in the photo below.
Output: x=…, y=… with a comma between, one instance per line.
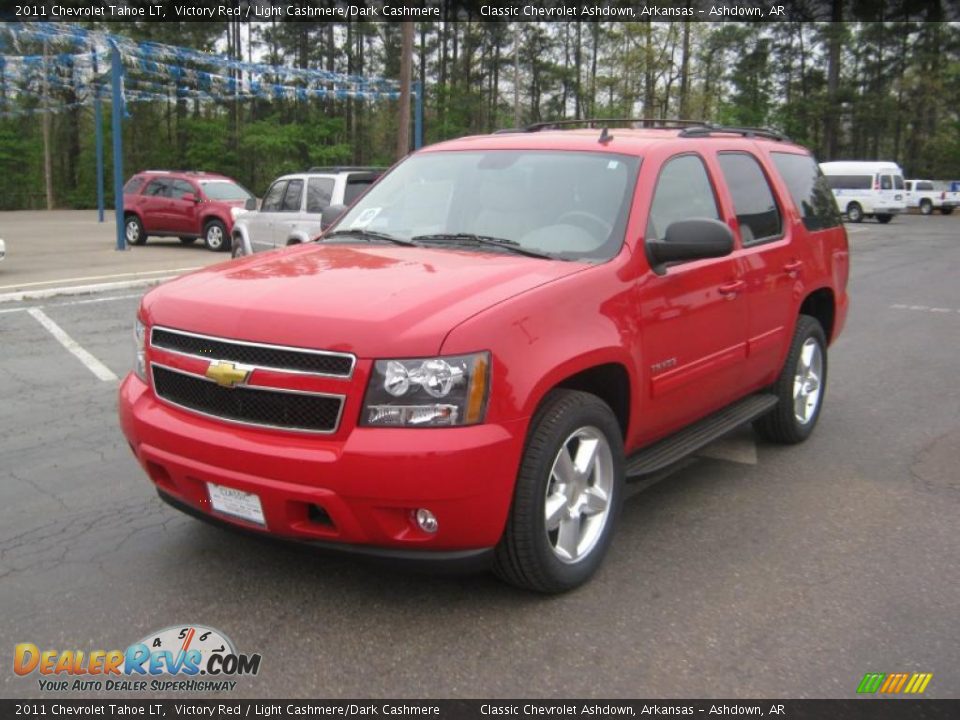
x=928, y=195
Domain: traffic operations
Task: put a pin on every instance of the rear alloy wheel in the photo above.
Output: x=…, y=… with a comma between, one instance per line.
x=568, y=495
x=133, y=231
x=926, y=207
x=854, y=212
x=215, y=236
x=884, y=219
x=800, y=387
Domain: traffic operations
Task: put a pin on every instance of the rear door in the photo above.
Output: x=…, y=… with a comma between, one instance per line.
x=155, y=206
x=694, y=314
x=770, y=260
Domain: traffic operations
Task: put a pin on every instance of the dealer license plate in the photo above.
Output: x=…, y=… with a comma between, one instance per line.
x=240, y=504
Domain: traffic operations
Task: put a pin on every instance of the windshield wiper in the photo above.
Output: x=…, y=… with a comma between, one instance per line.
x=370, y=235
x=486, y=240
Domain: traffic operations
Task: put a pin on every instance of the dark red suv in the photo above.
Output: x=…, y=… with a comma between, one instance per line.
x=188, y=205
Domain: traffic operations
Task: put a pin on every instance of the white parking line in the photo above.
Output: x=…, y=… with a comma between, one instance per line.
x=93, y=365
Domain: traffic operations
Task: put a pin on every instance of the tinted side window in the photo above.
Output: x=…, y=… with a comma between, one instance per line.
x=133, y=185
x=809, y=190
x=274, y=196
x=357, y=185
x=319, y=194
x=757, y=211
x=886, y=182
x=898, y=183
x=291, y=198
x=158, y=188
x=925, y=186
x=850, y=182
x=683, y=192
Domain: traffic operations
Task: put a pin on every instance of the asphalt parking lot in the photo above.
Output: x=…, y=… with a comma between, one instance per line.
x=752, y=571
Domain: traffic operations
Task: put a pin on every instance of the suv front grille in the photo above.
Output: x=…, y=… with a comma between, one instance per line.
x=267, y=407
x=275, y=357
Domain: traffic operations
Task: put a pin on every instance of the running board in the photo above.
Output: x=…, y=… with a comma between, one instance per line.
x=677, y=446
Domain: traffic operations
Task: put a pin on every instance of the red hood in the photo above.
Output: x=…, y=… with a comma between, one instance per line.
x=373, y=301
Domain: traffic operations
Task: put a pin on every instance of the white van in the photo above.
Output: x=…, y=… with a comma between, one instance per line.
x=867, y=189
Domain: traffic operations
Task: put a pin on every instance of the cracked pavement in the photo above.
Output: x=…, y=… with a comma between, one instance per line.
x=789, y=578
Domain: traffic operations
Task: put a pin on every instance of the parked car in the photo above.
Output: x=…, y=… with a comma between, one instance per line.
x=289, y=215
x=3, y=250
x=475, y=358
x=927, y=196
x=188, y=205
x=867, y=189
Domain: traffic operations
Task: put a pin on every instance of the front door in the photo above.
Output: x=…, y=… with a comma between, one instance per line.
x=693, y=314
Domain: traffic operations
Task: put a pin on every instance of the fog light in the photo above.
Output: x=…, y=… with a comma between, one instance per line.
x=426, y=520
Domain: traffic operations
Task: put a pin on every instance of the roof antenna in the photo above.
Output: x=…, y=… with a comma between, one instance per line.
x=605, y=136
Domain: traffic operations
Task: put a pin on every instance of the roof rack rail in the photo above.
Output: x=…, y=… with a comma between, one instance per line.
x=668, y=123
x=707, y=129
x=344, y=168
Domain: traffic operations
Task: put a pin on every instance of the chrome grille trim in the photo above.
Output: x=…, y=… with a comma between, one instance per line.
x=186, y=408
x=245, y=343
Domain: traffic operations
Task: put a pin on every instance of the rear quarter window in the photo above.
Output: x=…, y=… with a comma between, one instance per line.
x=809, y=190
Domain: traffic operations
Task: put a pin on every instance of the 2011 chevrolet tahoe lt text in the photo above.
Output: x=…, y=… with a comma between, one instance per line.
x=503, y=331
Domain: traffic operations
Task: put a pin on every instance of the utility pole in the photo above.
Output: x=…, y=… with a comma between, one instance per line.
x=516, y=75
x=47, y=161
x=406, y=69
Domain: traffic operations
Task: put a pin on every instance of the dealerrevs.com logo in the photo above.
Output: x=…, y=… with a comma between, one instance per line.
x=179, y=658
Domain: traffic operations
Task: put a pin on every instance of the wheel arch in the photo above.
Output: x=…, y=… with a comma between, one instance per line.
x=821, y=304
x=607, y=378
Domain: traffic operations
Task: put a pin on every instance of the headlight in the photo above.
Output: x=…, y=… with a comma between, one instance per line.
x=140, y=349
x=428, y=392
x=236, y=212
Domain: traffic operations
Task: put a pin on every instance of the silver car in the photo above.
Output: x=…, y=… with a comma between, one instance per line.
x=291, y=208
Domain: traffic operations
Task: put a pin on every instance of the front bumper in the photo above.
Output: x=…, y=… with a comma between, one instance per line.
x=357, y=493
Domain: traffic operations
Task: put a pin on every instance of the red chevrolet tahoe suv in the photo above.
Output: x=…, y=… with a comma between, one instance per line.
x=474, y=360
x=188, y=205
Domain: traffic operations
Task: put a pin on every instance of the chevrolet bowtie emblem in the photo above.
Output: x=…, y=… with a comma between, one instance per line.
x=228, y=374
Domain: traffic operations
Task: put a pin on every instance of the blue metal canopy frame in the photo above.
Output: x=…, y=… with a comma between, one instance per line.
x=184, y=67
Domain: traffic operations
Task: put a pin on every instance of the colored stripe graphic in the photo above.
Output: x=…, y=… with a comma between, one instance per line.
x=894, y=683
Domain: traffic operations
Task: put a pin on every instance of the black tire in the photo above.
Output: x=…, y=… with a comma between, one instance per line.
x=526, y=555
x=236, y=248
x=215, y=236
x=926, y=207
x=884, y=219
x=946, y=210
x=854, y=212
x=781, y=424
x=133, y=230
x=187, y=240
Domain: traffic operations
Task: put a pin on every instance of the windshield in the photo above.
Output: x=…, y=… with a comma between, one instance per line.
x=222, y=190
x=569, y=205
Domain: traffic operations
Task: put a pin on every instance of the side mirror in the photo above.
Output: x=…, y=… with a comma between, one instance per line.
x=190, y=197
x=250, y=204
x=330, y=214
x=693, y=239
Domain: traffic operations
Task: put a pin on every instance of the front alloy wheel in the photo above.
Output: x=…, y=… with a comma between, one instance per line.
x=577, y=504
x=215, y=236
x=567, y=496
